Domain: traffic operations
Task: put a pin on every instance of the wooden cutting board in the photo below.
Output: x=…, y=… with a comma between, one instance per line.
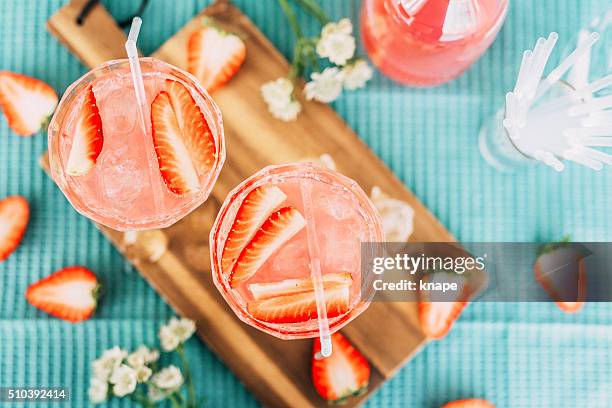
x=276, y=371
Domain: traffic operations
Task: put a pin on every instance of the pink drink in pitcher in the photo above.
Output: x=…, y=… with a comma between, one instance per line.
x=130, y=175
x=429, y=42
x=262, y=253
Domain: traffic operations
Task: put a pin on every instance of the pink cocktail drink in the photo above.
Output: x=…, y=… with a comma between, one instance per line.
x=261, y=260
x=429, y=42
x=130, y=172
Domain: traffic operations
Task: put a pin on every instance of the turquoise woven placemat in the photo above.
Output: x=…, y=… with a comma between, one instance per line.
x=517, y=355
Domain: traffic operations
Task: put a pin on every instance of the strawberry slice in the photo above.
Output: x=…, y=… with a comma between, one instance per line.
x=14, y=216
x=292, y=286
x=344, y=374
x=279, y=228
x=438, y=315
x=299, y=307
x=27, y=102
x=561, y=272
x=172, y=155
x=214, y=56
x=69, y=294
x=88, y=139
x=196, y=134
x=254, y=210
x=469, y=403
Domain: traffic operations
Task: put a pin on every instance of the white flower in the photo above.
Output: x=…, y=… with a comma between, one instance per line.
x=356, y=75
x=324, y=86
x=98, y=390
x=177, y=331
x=141, y=356
x=143, y=373
x=397, y=216
x=169, y=379
x=288, y=112
x=155, y=394
x=106, y=364
x=337, y=42
x=278, y=95
x=124, y=380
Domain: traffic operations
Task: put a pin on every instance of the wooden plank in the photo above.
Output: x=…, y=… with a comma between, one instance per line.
x=276, y=371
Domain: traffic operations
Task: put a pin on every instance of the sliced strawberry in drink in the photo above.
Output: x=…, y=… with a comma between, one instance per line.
x=469, y=403
x=14, y=216
x=344, y=374
x=69, y=294
x=27, y=102
x=196, y=134
x=214, y=56
x=254, y=210
x=299, y=307
x=279, y=228
x=87, y=140
x=172, y=155
x=291, y=286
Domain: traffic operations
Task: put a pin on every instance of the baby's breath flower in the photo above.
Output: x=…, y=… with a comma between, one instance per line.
x=143, y=373
x=97, y=391
x=278, y=95
x=155, y=394
x=169, y=379
x=124, y=380
x=324, y=86
x=141, y=356
x=103, y=367
x=337, y=42
x=176, y=332
x=356, y=75
x=397, y=216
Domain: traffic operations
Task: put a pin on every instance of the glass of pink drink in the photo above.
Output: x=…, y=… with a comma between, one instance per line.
x=262, y=255
x=429, y=42
x=130, y=172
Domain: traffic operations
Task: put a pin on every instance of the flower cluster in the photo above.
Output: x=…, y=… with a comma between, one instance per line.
x=337, y=44
x=119, y=373
x=397, y=216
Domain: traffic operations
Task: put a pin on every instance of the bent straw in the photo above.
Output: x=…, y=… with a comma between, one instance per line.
x=315, y=272
x=141, y=98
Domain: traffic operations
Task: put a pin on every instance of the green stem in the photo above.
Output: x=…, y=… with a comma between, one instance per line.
x=142, y=399
x=313, y=8
x=291, y=17
x=174, y=401
x=188, y=379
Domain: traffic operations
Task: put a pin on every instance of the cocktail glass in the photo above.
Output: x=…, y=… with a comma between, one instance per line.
x=125, y=189
x=263, y=257
x=429, y=42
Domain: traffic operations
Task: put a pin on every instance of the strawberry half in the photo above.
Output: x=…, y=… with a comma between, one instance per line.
x=279, y=228
x=214, y=56
x=69, y=294
x=469, y=403
x=172, y=155
x=299, y=307
x=561, y=272
x=27, y=102
x=292, y=286
x=438, y=315
x=254, y=210
x=88, y=139
x=344, y=374
x=14, y=216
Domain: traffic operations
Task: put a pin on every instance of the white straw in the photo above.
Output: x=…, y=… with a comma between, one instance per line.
x=591, y=106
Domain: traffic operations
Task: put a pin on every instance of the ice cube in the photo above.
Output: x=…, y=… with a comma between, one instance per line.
x=292, y=256
x=338, y=207
x=118, y=112
x=122, y=178
x=340, y=246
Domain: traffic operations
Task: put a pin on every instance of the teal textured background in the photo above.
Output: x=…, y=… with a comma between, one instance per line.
x=516, y=355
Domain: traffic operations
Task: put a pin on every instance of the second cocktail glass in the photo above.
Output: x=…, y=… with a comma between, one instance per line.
x=262, y=248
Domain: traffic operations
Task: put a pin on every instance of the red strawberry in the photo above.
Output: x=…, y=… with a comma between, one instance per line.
x=27, y=102
x=279, y=228
x=299, y=307
x=561, y=272
x=292, y=286
x=469, y=403
x=214, y=56
x=172, y=155
x=343, y=374
x=69, y=294
x=14, y=216
x=88, y=138
x=438, y=315
x=253, y=211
